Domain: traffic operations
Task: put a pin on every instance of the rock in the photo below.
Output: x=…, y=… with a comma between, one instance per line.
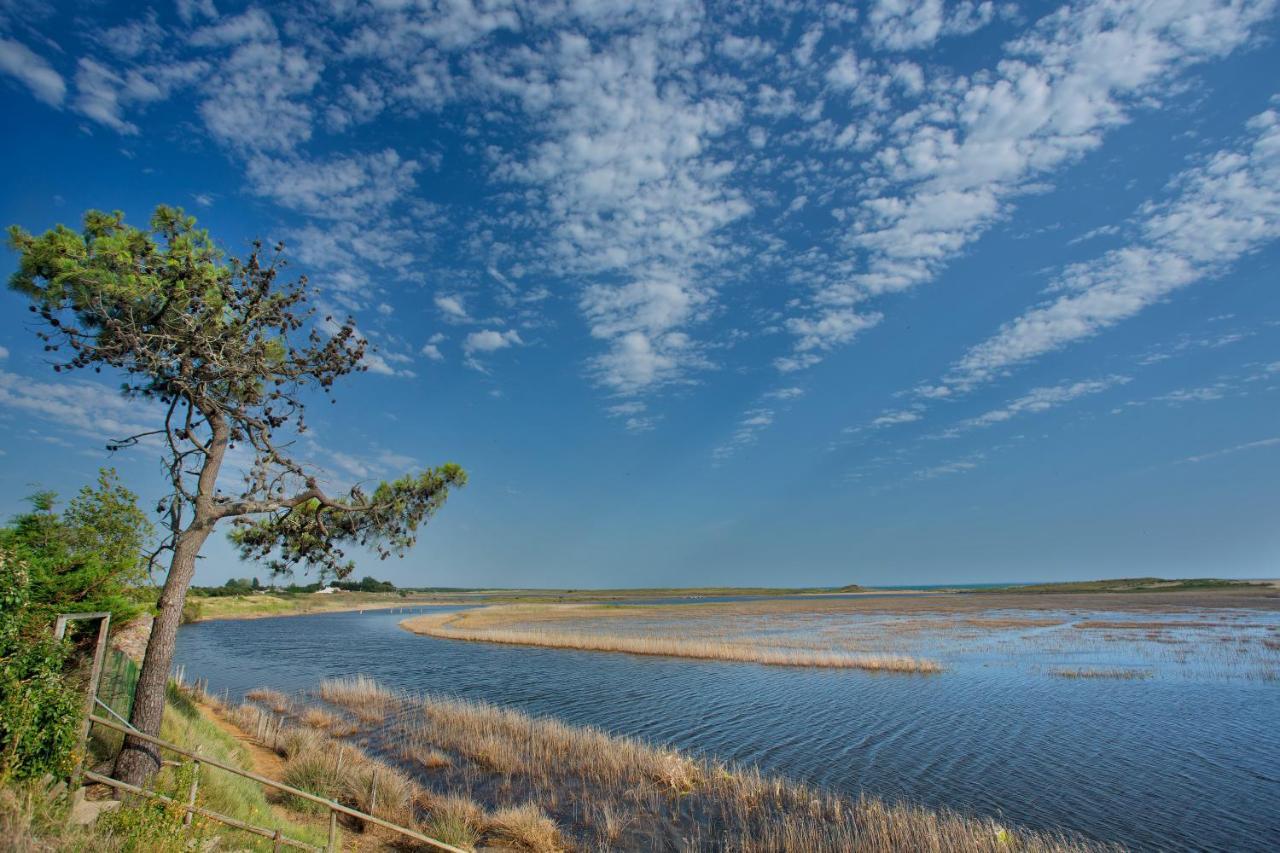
x=84, y=812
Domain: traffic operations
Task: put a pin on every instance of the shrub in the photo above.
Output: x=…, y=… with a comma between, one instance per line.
x=144, y=825
x=39, y=710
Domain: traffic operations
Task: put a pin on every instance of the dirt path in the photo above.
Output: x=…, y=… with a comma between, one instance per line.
x=265, y=762
x=262, y=761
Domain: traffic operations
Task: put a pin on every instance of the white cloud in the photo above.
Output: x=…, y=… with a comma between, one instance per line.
x=816, y=334
x=913, y=24
x=103, y=95
x=88, y=408
x=4, y=353
x=630, y=193
x=748, y=431
x=490, y=340
x=634, y=416
x=193, y=10
x=352, y=187
x=1203, y=394
x=1042, y=399
x=901, y=416
x=453, y=306
x=789, y=393
x=251, y=25
x=431, y=349
x=946, y=469
x=1251, y=445
x=20, y=62
x=257, y=99
x=1220, y=211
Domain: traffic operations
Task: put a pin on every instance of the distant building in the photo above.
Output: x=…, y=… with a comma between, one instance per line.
x=326, y=590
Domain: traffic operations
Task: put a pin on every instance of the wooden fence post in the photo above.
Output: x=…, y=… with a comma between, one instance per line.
x=333, y=832
x=195, y=786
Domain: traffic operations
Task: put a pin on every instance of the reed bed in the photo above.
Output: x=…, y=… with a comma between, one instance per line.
x=273, y=699
x=539, y=784
x=444, y=627
x=361, y=695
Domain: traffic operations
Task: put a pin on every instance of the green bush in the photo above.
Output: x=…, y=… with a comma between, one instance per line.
x=143, y=825
x=39, y=710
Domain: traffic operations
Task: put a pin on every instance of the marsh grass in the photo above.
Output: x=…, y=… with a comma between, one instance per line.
x=445, y=627
x=361, y=695
x=273, y=699
x=542, y=784
x=525, y=827
x=334, y=724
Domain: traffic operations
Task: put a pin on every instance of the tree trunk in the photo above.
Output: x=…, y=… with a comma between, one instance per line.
x=138, y=759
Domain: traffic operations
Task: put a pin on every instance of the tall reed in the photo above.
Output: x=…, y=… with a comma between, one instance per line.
x=437, y=625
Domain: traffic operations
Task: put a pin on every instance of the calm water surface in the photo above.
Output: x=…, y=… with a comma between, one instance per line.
x=1161, y=763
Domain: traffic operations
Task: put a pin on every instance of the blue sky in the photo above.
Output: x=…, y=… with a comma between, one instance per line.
x=797, y=293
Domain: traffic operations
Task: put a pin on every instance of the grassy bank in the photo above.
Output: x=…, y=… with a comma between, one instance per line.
x=454, y=626
x=33, y=816
x=477, y=775
x=203, y=608
x=258, y=605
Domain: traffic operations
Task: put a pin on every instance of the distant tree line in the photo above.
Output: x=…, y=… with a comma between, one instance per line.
x=248, y=586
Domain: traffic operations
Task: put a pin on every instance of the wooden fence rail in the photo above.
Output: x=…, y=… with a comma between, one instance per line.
x=335, y=808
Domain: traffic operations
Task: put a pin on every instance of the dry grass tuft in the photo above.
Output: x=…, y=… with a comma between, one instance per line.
x=427, y=758
x=453, y=819
x=361, y=695
x=273, y=699
x=444, y=626
x=526, y=827
x=322, y=720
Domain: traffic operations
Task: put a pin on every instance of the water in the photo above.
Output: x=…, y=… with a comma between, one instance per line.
x=1186, y=760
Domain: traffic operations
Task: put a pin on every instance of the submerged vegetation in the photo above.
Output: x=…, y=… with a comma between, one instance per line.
x=446, y=626
x=1101, y=672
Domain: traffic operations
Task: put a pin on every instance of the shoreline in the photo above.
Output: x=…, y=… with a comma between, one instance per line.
x=1256, y=594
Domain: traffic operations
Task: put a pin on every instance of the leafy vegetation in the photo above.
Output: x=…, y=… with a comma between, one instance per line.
x=39, y=709
x=87, y=558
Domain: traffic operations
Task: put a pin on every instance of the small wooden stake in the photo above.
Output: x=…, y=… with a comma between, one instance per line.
x=195, y=786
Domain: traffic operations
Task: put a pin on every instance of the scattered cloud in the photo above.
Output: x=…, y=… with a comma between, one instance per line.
x=21, y=63
x=1220, y=211
x=346, y=188
x=945, y=176
x=1042, y=399
x=87, y=408
x=1227, y=451
x=452, y=306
